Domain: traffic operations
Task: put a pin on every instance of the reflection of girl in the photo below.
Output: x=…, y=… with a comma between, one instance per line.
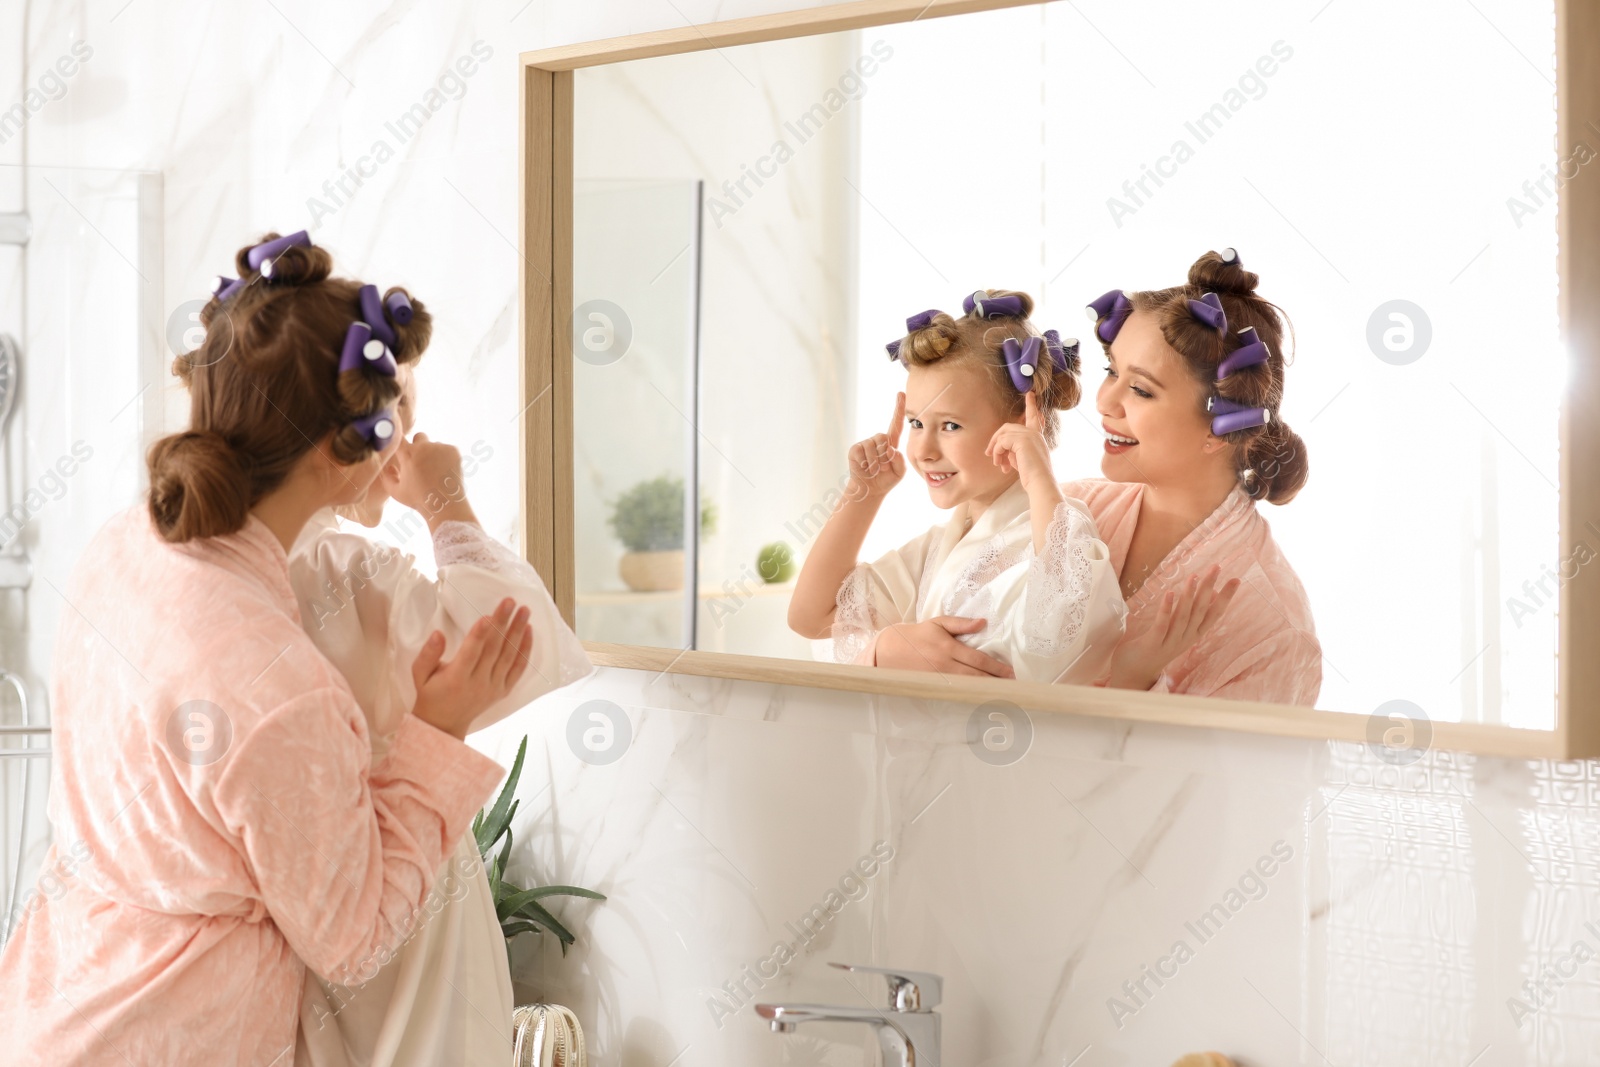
x=446, y=996
x=1190, y=409
x=212, y=763
x=1017, y=560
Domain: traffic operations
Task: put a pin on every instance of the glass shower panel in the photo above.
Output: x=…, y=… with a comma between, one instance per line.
x=635, y=323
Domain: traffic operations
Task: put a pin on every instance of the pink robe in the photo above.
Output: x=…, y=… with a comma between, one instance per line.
x=204, y=850
x=1265, y=648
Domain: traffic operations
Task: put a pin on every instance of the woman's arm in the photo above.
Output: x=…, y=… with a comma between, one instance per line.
x=343, y=857
x=876, y=466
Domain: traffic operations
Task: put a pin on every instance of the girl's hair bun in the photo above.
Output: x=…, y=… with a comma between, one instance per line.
x=929, y=344
x=199, y=486
x=295, y=265
x=1216, y=274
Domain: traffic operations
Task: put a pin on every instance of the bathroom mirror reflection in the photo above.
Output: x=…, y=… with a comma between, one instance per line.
x=753, y=224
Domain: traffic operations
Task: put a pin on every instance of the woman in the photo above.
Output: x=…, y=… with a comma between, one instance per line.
x=212, y=771
x=1190, y=406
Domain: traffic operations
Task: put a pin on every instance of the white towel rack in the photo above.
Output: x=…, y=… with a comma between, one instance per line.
x=27, y=731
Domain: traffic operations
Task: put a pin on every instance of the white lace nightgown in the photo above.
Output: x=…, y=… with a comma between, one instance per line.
x=1054, y=617
x=445, y=996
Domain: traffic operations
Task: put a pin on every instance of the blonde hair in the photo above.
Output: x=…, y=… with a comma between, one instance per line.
x=974, y=338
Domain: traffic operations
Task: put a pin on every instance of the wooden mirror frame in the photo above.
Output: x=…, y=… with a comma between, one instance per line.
x=546, y=160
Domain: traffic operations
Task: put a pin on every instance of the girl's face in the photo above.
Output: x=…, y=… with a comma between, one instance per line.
x=1153, y=411
x=951, y=413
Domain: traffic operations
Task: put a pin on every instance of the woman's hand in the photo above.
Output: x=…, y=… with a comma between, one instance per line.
x=1020, y=447
x=491, y=660
x=1186, y=615
x=932, y=646
x=426, y=477
x=877, y=464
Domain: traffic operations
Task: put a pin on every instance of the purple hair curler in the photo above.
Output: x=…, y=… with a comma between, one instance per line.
x=1021, y=359
x=372, y=314
x=222, y=288
x=266, y=252
x=1239, y=419
x=361, y=349
x=921, y=320
x=1063, y=353
x=1230, y=255
x=1109, y=311
x=1208, y=309
x=893, y=348
x=985, y=306
x=399, y=307
x=1253, y=351
x=380, y=428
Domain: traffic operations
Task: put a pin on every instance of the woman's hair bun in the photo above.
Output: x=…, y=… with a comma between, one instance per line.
x=199, y=486
x=295, y=265
x=1215, y=274
x=415, y=335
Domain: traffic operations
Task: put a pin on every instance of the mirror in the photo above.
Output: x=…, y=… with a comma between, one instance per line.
x=753, y=223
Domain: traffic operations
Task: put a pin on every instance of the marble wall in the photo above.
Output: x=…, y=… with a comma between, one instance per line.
x=1093, y=892
x=1414, y=901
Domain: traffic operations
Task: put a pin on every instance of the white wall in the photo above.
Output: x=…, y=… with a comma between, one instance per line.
x=1417, y=901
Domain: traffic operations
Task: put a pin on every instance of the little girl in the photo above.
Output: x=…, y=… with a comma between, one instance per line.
x=445, y=997
x=982, y=394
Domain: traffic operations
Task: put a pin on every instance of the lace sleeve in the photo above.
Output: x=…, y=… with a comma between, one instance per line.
x=468, y=543
x=1059, y=583
x=854, y=621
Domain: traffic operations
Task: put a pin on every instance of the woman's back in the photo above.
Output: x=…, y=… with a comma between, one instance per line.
x=210, y=765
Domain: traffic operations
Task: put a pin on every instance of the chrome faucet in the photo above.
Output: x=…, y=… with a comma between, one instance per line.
x=907, y=1031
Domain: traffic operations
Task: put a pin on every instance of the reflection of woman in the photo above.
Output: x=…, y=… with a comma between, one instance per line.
x=1193, y=439
x=1019, y=560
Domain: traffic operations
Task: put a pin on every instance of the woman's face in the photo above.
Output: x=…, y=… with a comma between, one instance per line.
x=951, y=414
x=1152, y=411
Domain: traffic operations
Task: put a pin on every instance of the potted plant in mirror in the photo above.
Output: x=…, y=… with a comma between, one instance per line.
x=648, y=520
x=547, y=1035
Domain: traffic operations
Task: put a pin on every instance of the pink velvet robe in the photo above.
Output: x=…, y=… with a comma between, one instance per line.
x=218, y=823
x=1265, y=648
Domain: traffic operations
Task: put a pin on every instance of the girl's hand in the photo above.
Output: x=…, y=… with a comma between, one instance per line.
x=1186, y=615
x=426, y=477
x=932, y=646
x=877, y=464
x=1020, y=447
x=491, y=660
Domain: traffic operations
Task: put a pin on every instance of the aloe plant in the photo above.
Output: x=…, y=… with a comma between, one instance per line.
x=518, y=909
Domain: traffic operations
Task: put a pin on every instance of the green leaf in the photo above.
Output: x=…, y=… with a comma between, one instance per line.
x=498, y=818
x=533, y=910
x=511, y=904
x=512, y=929
x=500, y=860
x=563, y=891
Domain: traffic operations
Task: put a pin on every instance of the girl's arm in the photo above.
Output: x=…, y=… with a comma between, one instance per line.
x=474, y=570
x=1069, y=614
x=876, y=466
x=1021, y=447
